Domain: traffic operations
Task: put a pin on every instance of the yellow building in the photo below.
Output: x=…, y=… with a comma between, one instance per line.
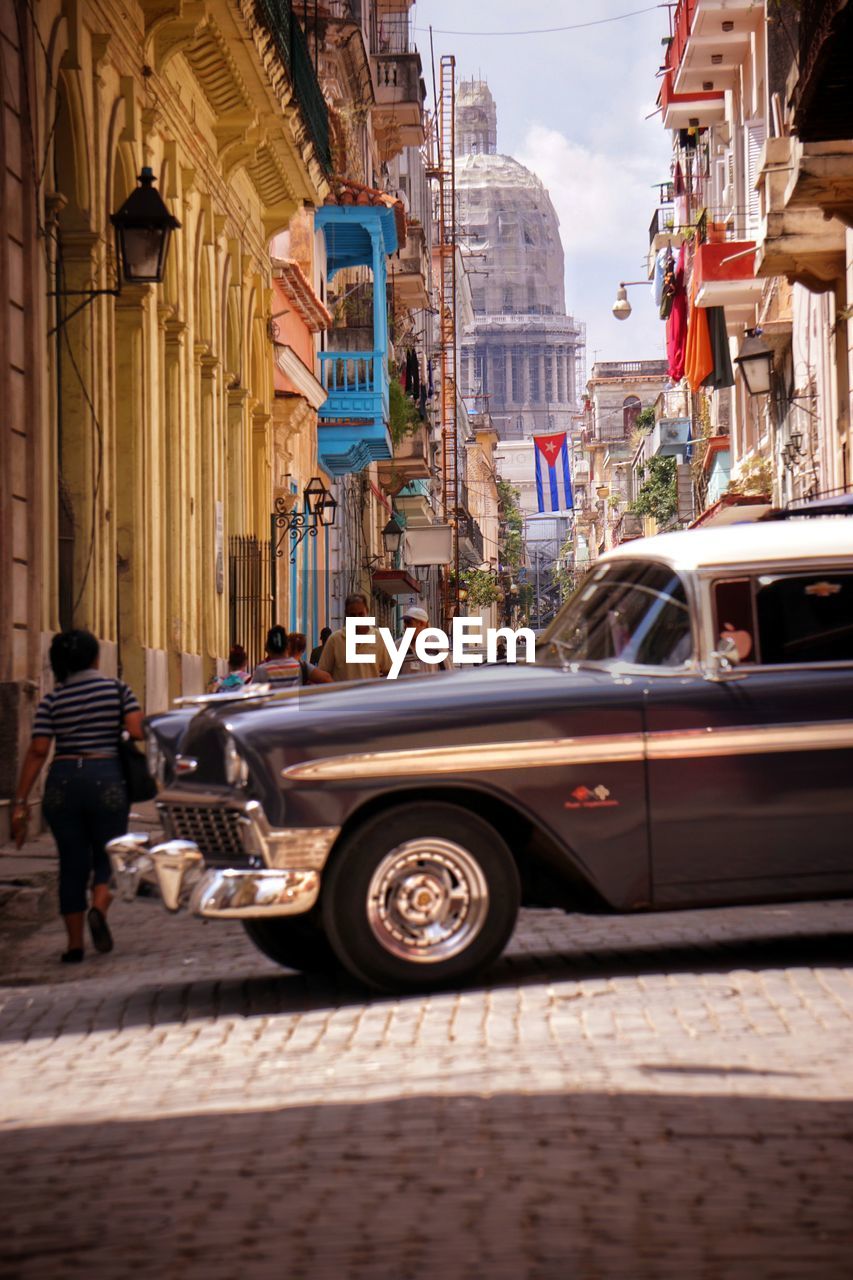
x=139, y=434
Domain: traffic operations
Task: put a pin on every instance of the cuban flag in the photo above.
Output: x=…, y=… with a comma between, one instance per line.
x=553, y=482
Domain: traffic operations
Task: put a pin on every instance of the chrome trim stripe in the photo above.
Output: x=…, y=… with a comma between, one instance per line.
x=542, y=753
x=750, y=740
x=479, y=757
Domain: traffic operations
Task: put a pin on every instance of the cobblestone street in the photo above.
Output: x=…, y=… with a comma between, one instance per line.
x=660, y=1096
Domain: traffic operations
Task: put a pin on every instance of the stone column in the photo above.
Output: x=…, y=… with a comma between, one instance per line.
x=78, y=443
x=176, y=507
x=209, y=583
x=132, y=410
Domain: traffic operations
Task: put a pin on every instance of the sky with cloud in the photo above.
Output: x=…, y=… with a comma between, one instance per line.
x=572, y=107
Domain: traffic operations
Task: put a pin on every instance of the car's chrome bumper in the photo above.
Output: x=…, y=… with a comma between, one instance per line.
x=176, y=869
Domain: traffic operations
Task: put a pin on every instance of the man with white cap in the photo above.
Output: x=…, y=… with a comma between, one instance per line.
x=417, y=619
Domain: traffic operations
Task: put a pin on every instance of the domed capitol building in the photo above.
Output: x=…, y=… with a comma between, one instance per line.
x=523, y=359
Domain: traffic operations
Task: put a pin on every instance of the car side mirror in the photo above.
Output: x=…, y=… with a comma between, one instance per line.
x=724, y=658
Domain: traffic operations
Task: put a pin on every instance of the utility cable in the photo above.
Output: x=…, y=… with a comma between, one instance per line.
x=542, y=31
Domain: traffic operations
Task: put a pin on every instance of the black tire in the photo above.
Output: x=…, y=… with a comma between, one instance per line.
x=296, y=942
x=432, y=858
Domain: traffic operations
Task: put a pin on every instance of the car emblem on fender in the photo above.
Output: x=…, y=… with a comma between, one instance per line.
x=590, y=798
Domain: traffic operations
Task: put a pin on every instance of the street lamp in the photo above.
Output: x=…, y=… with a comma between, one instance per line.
x=755, y=360
x=143, y=227
x=319, y=509
x=320, y=502
x=622, y=307
x=392, y=536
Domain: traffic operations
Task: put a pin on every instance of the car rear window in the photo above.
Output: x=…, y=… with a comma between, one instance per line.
x=786, y=619
x=805, y=618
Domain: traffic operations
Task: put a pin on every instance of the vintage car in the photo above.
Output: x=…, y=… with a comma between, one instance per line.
x=684, y=739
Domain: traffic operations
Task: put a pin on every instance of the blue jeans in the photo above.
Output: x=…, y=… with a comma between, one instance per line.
x=85, y=804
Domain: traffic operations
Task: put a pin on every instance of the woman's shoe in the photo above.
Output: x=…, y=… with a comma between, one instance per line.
x=102, y=939
x=72, y=956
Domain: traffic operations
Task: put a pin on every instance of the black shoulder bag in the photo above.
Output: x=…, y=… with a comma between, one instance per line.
x=140, y=785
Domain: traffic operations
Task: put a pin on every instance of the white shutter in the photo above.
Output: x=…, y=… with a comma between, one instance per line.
x=726, y=180
x=753, y=141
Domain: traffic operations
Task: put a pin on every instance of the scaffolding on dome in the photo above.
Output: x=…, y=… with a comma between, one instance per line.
x=523, y=352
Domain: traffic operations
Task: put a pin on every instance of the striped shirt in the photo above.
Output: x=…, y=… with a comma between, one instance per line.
x=280, y=672
x=85, y=714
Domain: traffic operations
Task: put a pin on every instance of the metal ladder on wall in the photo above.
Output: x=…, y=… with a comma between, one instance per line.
x=444, y=170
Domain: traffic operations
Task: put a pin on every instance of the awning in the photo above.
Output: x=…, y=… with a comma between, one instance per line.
x=395, y=582
x=734, y=508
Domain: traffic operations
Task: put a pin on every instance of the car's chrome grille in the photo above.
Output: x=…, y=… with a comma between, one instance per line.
x=215, y=829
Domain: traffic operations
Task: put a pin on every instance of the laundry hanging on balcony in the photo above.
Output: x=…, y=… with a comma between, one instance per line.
x=412, y=384
x=679, y=194
x=664, y=263
x=676, y=325
x=722, y=374
x=699, y=357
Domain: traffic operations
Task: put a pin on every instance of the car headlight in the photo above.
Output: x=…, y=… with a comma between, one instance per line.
x=155, y=758
x=236, y=768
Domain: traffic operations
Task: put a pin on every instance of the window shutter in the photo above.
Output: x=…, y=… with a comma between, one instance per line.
x=753, y=143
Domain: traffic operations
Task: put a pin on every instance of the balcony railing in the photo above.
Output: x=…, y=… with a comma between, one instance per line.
x=682, y=24
x=470, y=531
x=629, y=368
x=824, y=111
x=662, y=223
x=292, y=47
x=412, y=460
x=342, y=11
x=352, y=372
x=398, y=77
x=628, y=526
x=352, y=421
x=391, y=33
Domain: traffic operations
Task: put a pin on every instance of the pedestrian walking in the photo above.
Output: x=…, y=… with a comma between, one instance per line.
x=418, y=620
x=333, y=658
x=280, y=668
x=296, y=645
x=318, y=649
x=85, y=798
x=237, y=674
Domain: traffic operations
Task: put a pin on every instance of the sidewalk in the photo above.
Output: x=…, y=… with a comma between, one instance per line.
x=28, y=876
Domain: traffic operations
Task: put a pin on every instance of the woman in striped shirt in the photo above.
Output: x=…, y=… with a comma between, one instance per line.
x=85, y=799
x=282, y=668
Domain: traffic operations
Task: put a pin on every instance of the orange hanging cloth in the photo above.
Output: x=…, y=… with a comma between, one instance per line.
x=699, y=357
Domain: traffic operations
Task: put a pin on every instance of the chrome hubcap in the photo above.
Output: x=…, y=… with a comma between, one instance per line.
x=427, y=900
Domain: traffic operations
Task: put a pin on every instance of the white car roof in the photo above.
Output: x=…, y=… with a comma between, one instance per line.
x=782, y=541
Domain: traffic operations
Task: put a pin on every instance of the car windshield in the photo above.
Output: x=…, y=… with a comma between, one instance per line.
x=631, y=612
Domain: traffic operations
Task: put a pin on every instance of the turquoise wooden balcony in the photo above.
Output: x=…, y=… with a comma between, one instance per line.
x=352, y=428
x=353, y=420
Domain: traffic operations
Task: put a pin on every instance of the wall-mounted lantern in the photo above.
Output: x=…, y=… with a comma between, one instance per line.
x=318, y=511
x=755, y=361
x=392, y=536
x=143, y=227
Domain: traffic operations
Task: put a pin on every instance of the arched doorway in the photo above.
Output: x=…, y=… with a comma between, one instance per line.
x=631, y=410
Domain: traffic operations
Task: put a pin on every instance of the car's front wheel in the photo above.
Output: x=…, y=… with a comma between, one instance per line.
x=297, y=942
x=420, y=896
